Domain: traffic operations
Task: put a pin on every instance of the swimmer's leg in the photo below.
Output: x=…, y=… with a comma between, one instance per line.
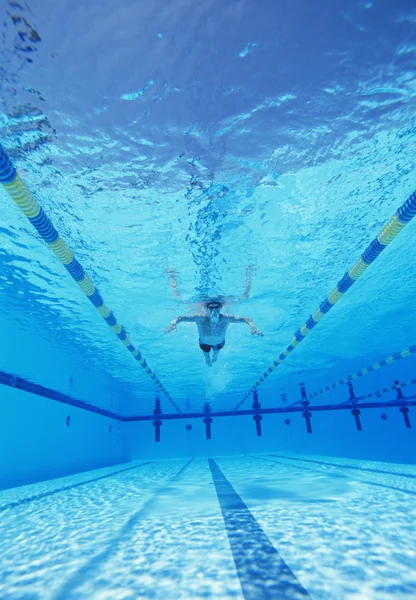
x=216, y=349
x=207, y=358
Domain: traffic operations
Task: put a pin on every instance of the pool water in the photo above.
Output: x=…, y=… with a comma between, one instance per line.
x=261, y=153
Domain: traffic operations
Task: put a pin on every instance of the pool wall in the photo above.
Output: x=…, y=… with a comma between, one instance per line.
x=335, y=434
x=42, y=439
x=37, y=444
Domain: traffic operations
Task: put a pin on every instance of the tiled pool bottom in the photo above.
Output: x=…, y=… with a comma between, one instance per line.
x=254, y=527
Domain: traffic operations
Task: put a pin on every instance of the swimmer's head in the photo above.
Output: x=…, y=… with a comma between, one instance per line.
x=213, y=308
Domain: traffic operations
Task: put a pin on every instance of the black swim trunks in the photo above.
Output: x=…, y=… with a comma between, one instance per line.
x=207, y=347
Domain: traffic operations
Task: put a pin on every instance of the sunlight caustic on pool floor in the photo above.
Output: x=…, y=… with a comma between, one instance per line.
x=340, y=529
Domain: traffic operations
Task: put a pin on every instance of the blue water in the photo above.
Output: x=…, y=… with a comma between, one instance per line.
x=186, y=150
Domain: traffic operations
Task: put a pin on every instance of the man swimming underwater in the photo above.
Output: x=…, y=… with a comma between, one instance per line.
x=212, y=327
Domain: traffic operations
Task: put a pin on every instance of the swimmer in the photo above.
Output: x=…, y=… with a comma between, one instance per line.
x=212, y=327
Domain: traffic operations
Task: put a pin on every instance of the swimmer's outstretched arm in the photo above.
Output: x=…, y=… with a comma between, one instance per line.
x=249, y=277
x=171, y=273
x=253, y=328
x=179, y=319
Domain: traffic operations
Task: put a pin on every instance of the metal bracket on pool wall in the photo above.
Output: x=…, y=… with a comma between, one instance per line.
x=257, y=416
x=403, y=409
x=355, y=411
x=305, y=403
x=157, y=423
x=207, y=420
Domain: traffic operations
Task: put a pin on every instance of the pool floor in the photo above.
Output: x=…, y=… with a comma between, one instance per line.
x=253, y=527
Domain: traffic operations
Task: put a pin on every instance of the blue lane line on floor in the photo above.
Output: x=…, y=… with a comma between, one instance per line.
x=332, y=474
x=88, y=571
x=263, y=573
x=319, y=462
x=66, y=488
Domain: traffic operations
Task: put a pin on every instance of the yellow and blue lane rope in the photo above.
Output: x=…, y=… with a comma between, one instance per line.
x=374, y=367
x=398, y=221
x=392, y=388
x=24, y=199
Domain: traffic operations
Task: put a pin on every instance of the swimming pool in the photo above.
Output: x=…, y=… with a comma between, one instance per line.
x=257, y=157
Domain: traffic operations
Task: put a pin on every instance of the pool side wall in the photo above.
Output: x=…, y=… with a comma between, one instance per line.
x=36, y=443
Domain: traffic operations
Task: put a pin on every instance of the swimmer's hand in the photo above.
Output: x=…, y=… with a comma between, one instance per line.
x=253, y=328
x=172, y=326
x=255, y=331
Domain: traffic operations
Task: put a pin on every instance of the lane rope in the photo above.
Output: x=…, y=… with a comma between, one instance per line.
x=374, y=367
x=30, y=207
x=378, y=393
x=390, y=231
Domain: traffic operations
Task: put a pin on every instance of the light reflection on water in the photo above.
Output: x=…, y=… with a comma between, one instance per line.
x=231, y=147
